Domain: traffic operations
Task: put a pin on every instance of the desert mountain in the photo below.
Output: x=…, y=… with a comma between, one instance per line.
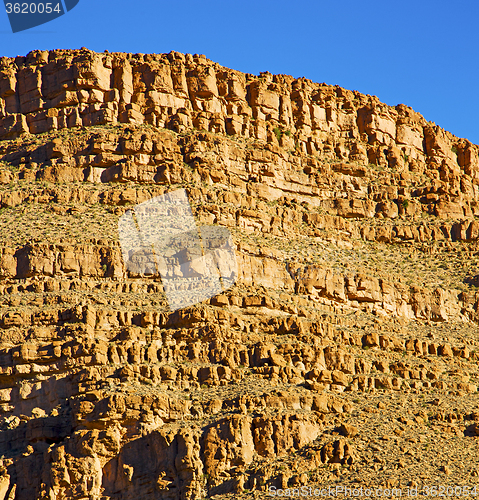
x=345, y=355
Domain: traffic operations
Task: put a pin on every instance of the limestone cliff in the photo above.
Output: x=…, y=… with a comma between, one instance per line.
x=348, y=344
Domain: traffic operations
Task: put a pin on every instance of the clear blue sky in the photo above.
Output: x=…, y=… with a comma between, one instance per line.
x=422, y=53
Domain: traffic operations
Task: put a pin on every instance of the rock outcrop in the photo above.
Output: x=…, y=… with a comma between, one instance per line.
x=346, y=347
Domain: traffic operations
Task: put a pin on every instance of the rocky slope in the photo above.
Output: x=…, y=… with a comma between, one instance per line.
x=346, y=353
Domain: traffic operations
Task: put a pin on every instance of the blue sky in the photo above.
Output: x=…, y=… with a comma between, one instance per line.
x=421, y=53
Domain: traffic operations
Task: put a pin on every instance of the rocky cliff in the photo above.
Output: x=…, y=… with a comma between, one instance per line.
x=344, y=354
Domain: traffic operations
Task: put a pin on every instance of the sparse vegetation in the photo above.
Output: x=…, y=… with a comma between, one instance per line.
x=278, y=133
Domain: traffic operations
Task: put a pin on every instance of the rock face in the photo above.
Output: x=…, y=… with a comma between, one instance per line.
x=346, y=347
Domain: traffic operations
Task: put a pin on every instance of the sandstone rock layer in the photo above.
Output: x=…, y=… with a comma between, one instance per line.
x=346, y=353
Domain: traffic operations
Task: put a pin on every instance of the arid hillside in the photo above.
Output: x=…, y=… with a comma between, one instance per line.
x=346, y=354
